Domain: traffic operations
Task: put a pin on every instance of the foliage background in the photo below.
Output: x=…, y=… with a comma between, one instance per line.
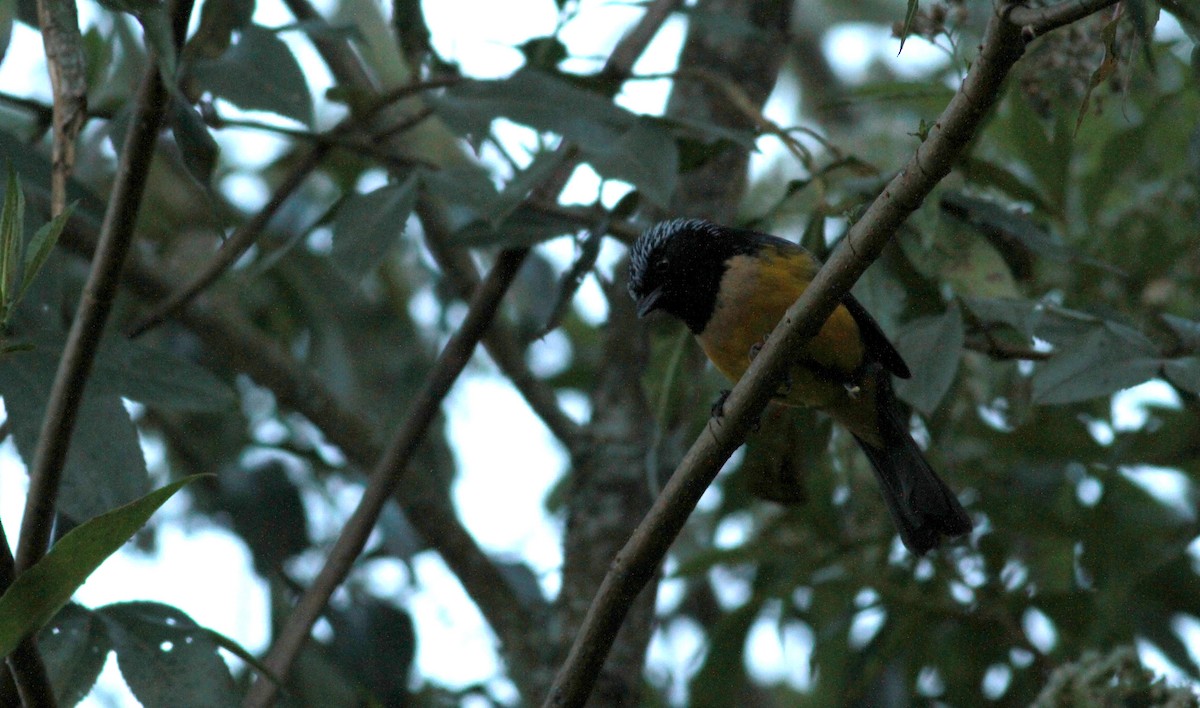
x=1055, y=267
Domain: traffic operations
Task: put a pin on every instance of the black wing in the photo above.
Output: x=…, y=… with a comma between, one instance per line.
x=874, y=340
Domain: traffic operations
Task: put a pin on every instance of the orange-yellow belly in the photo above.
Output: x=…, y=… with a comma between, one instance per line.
x=754, y=294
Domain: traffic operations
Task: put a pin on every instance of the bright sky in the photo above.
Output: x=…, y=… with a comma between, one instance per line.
x=506, y=470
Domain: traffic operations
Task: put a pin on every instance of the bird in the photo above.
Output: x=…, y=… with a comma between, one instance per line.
x=731, y=286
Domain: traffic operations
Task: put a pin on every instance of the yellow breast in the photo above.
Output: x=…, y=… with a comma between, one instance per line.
x=754, y=294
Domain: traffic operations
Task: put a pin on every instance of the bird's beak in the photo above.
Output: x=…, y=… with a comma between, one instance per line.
x=649, y=302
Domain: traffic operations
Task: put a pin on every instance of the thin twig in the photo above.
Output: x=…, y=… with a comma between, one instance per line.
x=500, y=342
x=245, y=236
x=1036, y=21
x=68, y=77
x=237, y=244
x=1002, y=46
x=387, y=476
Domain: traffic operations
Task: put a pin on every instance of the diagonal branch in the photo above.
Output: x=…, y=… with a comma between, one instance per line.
x=244, y=237
x=500, y=342
x=386, y=478
x=83, y=340
x=1003, y=45
x=450, y=364
x=223, y=329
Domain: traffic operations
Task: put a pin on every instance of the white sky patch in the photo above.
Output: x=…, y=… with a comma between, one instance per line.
x=482, y=36
x=765, y=660
x=455, y=646
x=1130, y=408
x=508, y=461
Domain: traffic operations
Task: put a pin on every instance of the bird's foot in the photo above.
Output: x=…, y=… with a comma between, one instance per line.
x=718, y=406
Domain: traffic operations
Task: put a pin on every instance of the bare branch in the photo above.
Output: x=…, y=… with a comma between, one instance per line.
x=64, y=54
x=236, y=244
x=387, y=476
x=1003, y=45
x=500, y=342
x=83, y=340
x=1036, y=21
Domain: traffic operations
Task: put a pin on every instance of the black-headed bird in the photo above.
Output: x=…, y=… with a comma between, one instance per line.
x=731, y=287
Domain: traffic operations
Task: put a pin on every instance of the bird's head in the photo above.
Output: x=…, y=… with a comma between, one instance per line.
x=676, y=266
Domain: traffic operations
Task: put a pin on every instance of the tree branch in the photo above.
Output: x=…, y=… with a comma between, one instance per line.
x=223, y=329
x=83, y=340
x=500, y=342
x=1036, y=21
x=1002, y=46
x=64, y=55
x=386, y=478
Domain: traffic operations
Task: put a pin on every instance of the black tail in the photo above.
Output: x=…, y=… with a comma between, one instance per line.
x=922, y=506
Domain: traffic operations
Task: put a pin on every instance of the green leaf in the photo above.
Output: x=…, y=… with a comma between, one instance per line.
x=38, y=593
x=159, y=36
x=1112, y=357
x=525, y=227
x=367, y=225
x=616, y=142
x=1184, y=373
x=166, y=658
x=646, y=156
x=157, y=378
x=12, y=234
x=1021, y=315
x=39, y=249
x=991, y=174
x=105, y=467
x=1185, y=330
x=74, y=645
x=932, y=346
x=909, y=15
x=197, y=147
x=540, y=168
x=258, y=73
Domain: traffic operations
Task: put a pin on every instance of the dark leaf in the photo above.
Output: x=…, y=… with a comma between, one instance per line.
x=909, y=15
x=468, y=191
x=525, y=227
x=197, y=147
x=258, y=73
x=536, y=173
x=616, y=142
x=267, y=513
x=993, y=175
x=368, y=225
x=167, y=659
x=75, y=646
x=932, y=346
x=219, y=19
x=157, y=379
x=38, y=593
x=1184, y=373
x=105, y=467
x=1110, y=358
x=544, y=53
x=1021, y=315
x=376, y=643
x=646, y=156
x=7, y=14
x=1186, y=331
x=722, y=678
